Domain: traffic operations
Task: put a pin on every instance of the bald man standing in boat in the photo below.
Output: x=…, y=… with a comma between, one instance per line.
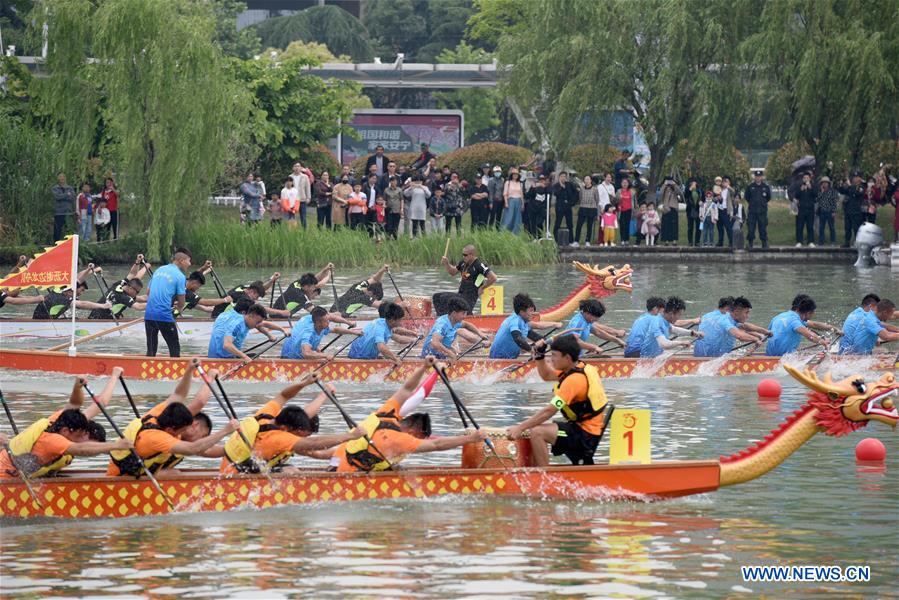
x=476, y=277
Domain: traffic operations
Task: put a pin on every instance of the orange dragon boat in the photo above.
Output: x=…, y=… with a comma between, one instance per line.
x=598, y=283
x=358, y=370
x=834, y=408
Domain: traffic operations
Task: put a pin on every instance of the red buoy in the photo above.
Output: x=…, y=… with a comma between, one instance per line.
x=769, y=388
x=870, y=450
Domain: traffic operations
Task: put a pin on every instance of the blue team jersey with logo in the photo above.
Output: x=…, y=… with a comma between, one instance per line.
x=167, y=282
x=303, y=332
x=863, y=337
x=657, y=326
x=366, y=345
x=228, y=323
x=504, y=345
x=447, y=331
x=785, y=338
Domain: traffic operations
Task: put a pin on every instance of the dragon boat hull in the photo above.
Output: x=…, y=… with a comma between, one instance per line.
x=89, y=494
x=345, y=369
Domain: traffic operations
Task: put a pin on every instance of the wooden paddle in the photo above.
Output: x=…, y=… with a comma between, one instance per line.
x=402, y=354
x=134, y=453
x=446, y=248
x=328, y=360
x=219, y=288
x=12, y=457
x=229, y=411
x=333, y=288
x=460, y=406
x=515, y=367
x=99, y=334
x=130, y=398
x=104, y=292
x=349, y=420
x=271, y=344
x=400, y=295
x=281, y=292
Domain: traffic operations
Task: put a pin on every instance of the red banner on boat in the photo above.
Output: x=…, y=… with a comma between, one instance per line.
x=50, y=268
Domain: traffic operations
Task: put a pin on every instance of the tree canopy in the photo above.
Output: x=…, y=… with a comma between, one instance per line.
x=668, y=64
x=480, y=106
x=159, y=87
x=827, y=68
x=340, y=31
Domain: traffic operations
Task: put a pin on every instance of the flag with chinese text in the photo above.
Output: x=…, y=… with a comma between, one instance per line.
x=50, y=268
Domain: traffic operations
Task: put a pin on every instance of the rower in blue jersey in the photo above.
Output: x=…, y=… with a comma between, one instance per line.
x=586, y=322
x=654, y=306
x=789, y=327
x=514, y=333
x=721, y=327
x=308, y=332
x=658, y=327
x=439, y=341
x=861, y=334
x=373, y=341
x=231, y=328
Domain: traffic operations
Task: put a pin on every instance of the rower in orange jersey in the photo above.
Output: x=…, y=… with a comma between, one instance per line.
x=397, y=431
x=170, y=431
x=277, y=432
x=41, y=450
x=578, y=395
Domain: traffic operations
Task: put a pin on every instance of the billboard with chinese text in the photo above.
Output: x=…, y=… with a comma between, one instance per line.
x=401, y=130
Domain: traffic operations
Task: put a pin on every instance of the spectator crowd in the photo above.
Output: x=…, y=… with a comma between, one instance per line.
x=91, y=214
x=611, y=208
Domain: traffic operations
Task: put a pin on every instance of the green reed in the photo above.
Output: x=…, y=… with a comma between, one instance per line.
x=236, y=245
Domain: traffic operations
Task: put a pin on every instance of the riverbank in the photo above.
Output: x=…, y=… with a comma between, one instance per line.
x=687, y=254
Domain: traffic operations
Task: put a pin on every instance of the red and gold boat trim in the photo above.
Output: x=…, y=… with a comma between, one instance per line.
x=89, y=494
x=163, y=368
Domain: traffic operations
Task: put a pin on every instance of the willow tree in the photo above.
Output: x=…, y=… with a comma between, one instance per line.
x=148, y=80
x=827, y=68
x=668, y=64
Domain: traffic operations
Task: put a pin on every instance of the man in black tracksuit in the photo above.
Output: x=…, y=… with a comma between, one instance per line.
x=566, y=197
x=758, y=195
x=852, y=205
x=805, y=219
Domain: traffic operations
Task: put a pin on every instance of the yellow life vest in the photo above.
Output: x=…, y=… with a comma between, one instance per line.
x=25, y=441
x=359, y=453
x=241, y=456
x=128, y=464
x=592, y=406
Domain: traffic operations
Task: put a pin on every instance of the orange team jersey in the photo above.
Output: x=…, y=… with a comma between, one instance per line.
x=268, y=444
x=395, y=444
x=47, y=449
x=150, y=441
x=574, y=389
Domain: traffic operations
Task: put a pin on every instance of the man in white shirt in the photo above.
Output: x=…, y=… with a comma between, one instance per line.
x=303, y=187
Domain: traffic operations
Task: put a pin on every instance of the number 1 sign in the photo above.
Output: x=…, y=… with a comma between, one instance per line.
x=630, y=437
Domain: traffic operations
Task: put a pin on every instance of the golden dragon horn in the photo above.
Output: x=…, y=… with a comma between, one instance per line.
x=810, y=379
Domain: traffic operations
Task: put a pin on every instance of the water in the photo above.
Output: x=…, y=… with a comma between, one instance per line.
x=818, y=508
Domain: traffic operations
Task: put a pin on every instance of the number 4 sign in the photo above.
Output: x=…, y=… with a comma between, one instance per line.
x=630, y=437
x=492, y=300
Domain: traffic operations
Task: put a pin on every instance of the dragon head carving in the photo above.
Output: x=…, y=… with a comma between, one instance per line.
x=606, y=281
x=846, y=405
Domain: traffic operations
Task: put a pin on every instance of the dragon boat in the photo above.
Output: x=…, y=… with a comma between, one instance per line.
x=598, y=283
x=834, y=408
x=359, y=370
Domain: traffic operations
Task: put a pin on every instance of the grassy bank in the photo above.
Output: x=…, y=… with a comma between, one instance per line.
x=234, y=245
